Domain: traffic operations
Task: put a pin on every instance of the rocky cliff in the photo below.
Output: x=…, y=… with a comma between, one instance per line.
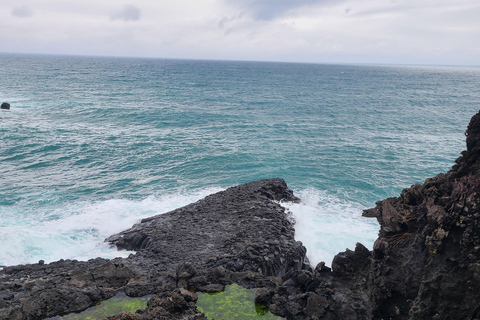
x=425, y=263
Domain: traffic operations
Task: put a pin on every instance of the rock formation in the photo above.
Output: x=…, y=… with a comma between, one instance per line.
x=425, y=263
x=239, y=235
x=5, y=106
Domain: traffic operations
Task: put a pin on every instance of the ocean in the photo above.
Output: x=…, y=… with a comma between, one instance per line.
x=92, y=145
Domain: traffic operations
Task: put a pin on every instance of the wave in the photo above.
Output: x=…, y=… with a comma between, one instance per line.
x=327, y=225
x=77, y=230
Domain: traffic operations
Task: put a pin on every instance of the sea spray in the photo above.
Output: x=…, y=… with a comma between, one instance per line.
x=327, y=225
x=78, y=230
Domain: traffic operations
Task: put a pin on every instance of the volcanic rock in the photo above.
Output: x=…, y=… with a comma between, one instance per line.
x=425, y=263
x=240, y=235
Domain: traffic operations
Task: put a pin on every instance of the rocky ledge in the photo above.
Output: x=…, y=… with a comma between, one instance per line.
x=240, y=235
x=425, y=263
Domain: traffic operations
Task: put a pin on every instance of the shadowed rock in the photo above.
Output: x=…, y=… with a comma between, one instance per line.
x=5, y=106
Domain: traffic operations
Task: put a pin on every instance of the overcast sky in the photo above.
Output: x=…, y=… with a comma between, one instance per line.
x=351, y=31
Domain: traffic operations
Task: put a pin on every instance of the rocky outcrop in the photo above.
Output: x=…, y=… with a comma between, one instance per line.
x=426, y=260
x=5, y=106
x=425, y=263
x=240, y=235
x=236, y=229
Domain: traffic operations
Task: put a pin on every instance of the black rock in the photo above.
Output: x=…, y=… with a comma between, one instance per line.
x=425, y=263
x=5, y=106
x=240, y=235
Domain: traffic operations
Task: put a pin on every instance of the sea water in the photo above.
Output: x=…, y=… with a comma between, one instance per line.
x=93, y=144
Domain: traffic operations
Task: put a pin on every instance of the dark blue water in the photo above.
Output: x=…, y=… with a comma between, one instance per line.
x=92, y=144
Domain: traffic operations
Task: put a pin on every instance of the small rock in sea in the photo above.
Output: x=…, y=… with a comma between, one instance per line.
x=41, y=262
x=5, y=106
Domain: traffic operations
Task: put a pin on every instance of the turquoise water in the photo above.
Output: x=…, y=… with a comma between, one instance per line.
x=91, y=145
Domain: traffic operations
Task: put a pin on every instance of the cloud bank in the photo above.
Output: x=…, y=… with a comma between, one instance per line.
x=351, y=31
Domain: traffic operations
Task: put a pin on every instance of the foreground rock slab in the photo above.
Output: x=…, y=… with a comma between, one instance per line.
x=240, y=235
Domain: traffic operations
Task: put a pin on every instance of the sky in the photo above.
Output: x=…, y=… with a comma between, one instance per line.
x=432, y=32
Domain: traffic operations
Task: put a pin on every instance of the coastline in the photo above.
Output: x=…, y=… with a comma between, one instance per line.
x=425, y=263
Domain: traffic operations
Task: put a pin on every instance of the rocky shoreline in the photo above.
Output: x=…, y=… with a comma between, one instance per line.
x=425, y=263
x=240, y=235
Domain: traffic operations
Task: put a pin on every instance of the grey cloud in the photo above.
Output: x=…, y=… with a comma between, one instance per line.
x=270, y=9
x=22, y=12
x=129, y=12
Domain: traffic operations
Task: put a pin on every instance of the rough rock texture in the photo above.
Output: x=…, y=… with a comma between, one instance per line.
x=425, y=263
x=39, y=290
x=235, y=236
x=236, y=229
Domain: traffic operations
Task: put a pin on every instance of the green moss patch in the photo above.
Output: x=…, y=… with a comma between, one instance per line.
x=234, y=303
x=119, y=303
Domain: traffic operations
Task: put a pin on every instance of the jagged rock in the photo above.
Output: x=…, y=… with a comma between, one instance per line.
x=425, y=263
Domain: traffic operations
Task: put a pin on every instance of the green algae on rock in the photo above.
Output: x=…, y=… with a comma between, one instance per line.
x=115, y=305
x=235, y=302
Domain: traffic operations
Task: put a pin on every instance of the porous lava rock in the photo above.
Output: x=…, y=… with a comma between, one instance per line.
x=425, y=263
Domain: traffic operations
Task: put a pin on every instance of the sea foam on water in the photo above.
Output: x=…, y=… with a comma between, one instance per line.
x=327, y=225
x=78, y=230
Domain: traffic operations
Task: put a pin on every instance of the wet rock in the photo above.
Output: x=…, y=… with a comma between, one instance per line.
x=5, y=106
x=219, y=240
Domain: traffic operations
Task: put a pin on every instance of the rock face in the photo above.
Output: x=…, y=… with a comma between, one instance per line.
x=5, y=106
x=239, y=235
x=425, y=263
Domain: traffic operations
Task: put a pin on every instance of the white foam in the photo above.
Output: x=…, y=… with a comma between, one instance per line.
x=78, y=230
x=327, y=225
